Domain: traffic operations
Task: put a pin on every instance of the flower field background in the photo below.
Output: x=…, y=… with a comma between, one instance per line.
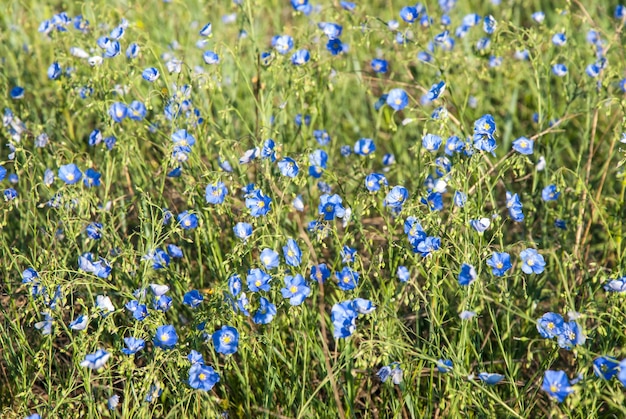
x=305, y=209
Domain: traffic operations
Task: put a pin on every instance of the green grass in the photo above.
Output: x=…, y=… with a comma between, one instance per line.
x=293, y=367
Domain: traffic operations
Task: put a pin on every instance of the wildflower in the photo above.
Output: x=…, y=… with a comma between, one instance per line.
x=266, y=312
x=258, y=203
x=409, y=14
x=444, y=365
x=54, y=71
x=538, y=16
x=202, y=377
x=70, y=174
x=210, y=57
x=570, y=335
x=523, y=145
x=559, y=39
x=136, y=110
x=243, y=231
x=96, y=360
x=296, y=289
x=300, y=57
x=292, y=253
x=480, y=225
x=550, y=325
x=559, y=69
x=466, y=314
x=343, y=317
x=150, y=74
x=92, y=178
x=187, y=220
x=45, y=326
x=282, y=43
x=364, y=147
x=288, y=167
x=605, y=367
x=557, y=385
x=379, y=65
x=320, y=273
x=550, y=193
x=467, y=274
x=397, y=99
x=431, y=142
x=226, y=340
x=532, y=261
x=113, y=401
x=258, y=280
x=133, y=345
x=331, y=206
x=215, y=193
x=490, y=378
x=347, y=279
x=616, y=285
x=396, y=197
x=403, y=274
x=165, y=337
x=500, y=263
x=489, y=24
x=80, y=323
x=374, y=181
x=515, y=207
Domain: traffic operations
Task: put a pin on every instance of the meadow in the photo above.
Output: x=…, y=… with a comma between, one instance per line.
x=334, y=209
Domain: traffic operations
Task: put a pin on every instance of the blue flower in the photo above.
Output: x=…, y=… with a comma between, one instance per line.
x=523, y=145
x=347, y=254
x=226, y=340
x=334, y=46
x=165, y=337
x=132, y=51
x=174, y=251
x=136, y=110
x=396, y=197
x=92, y=178
x=363, y=306
x=80, y=323
x=150, y=74
x=182, y=138
x=96, y=360
x=343, y=316
x=296, y=289
x=467, y=274
x=202, y=377
x=514, y=205
x=258, y=280
x=300, y=57
x=616, y=285
x=549, y=193
x=532, y=261
x=139, y=311
x=538, y=16
x=45, y=326
x=557, y=385
x=17, y=92
x=559, y=69
x=269, y=258
x=444, y=365
x=490, y=378
x=317, y=160
x=113, y=401
x=288, y=167
x=427, y=246
x=258, y=204
x=347, y=279
x=480, y=225
x=215, y=193
x=210, y=57
x=550, y=325
x=133, y=345
x=500, y=263
x=374, y=181
x=193, y=298
x=54, y=71
x=485, y=125
x=282, y=43
x=266, y=312
x=364, y=147
x=101, y=268
x=570, y=335
x=431, y=142
x=409, y=14
x=559, y=39
x=331, y=206
x=243, y=230
x=320, y=273
x=489, y=24
x=187, y=220
x=379, y=65
x=206, y=30
x=397, y=99
x=70, y=174
x=605, y=367
x=292, y=253
x=403, y=274
x=234, y=285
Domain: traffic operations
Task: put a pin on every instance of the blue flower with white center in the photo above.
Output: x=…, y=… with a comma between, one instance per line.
x=288, y=167
x=397, y=99
x=187, y=220
x=118, y=111
x=296, y=289
x=150, y=74
x=282, y=43
x=136, y=110
x=499, y=263
x=243, y=231
x=300, y=57
x=532, y=261
x=96, y=360
x=69, y=174
x=215, y=193
x=165, y=337
x=409, y=14
x=258, y=280
x=550, y=193
x=523, y=145
x=210, y=57
x=292, y=253
x=559, y=70
x=374, y=181
x=550, y=325
x=396, y=197
x=431, y=142
x=347, y=279
x=269, y=258
x=364, y=147
x=379, y=65
x=266, y=312
x=557, y=385
x=258, y=203
x=226, y=340
x=202, y=377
